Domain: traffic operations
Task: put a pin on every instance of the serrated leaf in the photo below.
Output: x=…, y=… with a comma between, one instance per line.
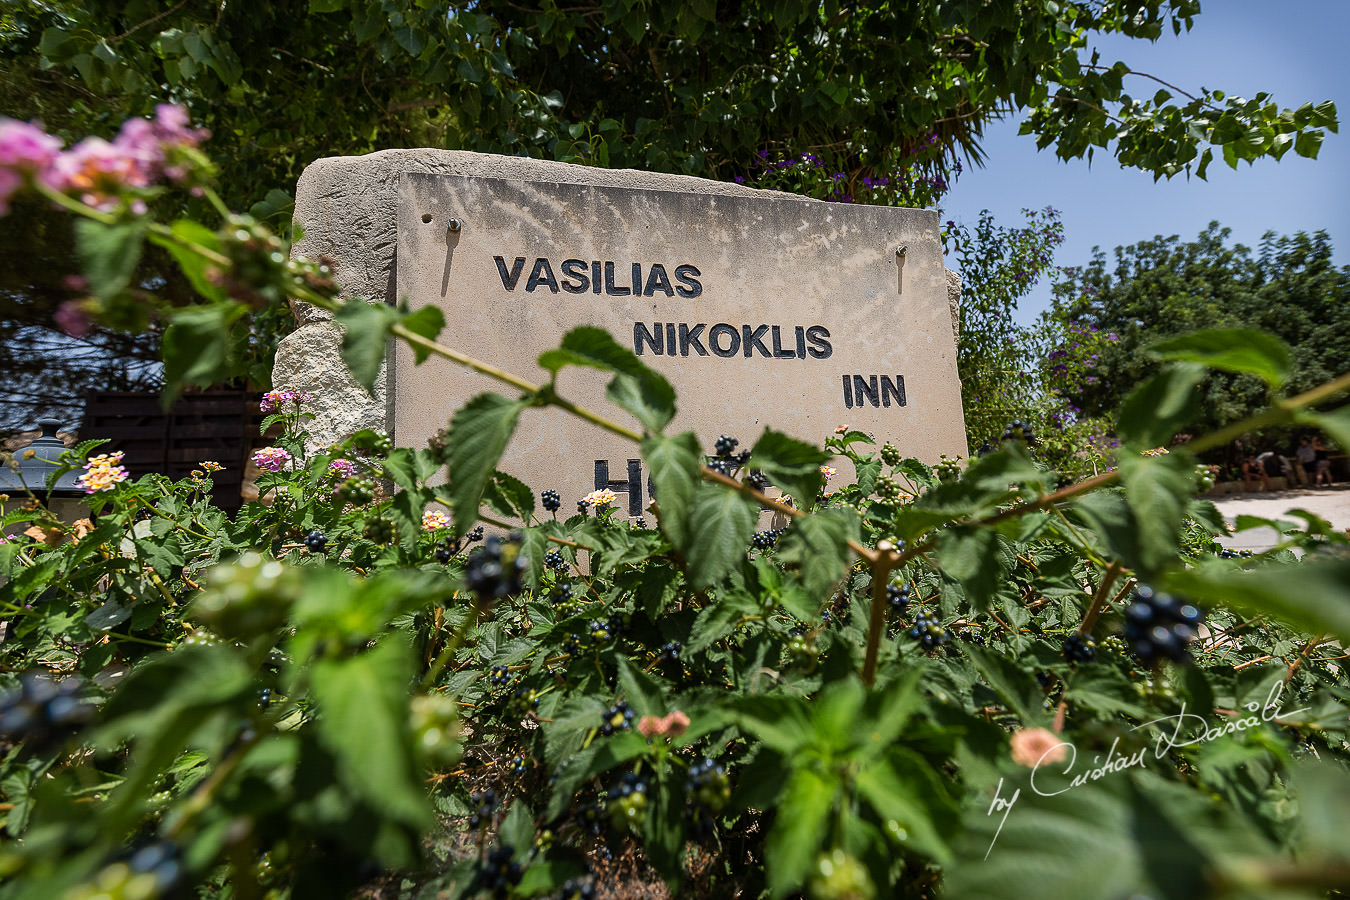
x=1017, y=689
x=365, y=336
x=641, y=691
x=791, y=464
x=109, y=253
x=475, y=441
x=799, y=829
x=720, y=525
x=1313, y=595
x=363, y=716
x=818, y=545
x=193, y=264
x=1232, y=350
x=972, y=557
x=674, y=466
x=509, y=496
x=895, y=800
x=1156, y=489
x=427, y=322
x=639, y=390
x=197, y=346
x=1161, y=406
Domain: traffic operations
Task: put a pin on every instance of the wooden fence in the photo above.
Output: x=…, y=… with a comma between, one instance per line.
x=215, y=425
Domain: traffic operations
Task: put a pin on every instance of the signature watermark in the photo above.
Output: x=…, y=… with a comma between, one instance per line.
x=1185, y=730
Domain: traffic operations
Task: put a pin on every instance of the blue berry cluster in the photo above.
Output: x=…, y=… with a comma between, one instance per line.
x=618, y=717
x=707, y=785
x=1225, y=553
x=500, y=872
x=495, y=569
x=550, y=500
x=485, y=806
x=671, y=652
x=758, y=480
x=448, y=548
x=555, y=560
x=1080, y=648
x=576, y=889
x=1018, y=431
x=316, y=541
x=763, y=540
x=42, y=712
x=499, y=675
x=1158, y=626
x=897, y=595
x=477, y=535
x=727, y=460
x=628, y=802
x=928, y=631
x=523, y=701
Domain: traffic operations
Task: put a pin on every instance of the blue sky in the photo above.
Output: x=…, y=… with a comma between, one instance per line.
x=1293, y=50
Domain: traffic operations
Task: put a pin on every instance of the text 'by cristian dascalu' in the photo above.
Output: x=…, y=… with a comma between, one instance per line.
x=579, y=276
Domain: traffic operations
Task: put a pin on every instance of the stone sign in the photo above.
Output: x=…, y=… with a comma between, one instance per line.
x=760, y=308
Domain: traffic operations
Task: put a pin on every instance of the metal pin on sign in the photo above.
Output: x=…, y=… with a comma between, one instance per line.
x=900, y=253
x=453, y=226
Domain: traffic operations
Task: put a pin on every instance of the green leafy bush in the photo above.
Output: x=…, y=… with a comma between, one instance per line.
x=972, y=680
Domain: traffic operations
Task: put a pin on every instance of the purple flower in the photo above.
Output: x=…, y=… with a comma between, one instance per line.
x=341, y=468
x=71, y=318
x=271, y=459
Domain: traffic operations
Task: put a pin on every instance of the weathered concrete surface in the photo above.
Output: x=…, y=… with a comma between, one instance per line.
x=774, y=305
x=348, y=209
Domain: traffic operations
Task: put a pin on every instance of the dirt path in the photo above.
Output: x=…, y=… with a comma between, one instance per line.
x=1332, y=504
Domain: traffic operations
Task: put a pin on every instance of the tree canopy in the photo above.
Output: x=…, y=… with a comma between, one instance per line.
x=1164, y=287
x=897, y=91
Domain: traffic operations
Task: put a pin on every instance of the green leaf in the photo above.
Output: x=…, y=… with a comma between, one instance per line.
x=897, y=801
x=365, y=336
x=1018, y=690
x=818, y=545
x=791, y=464
x=477, y=437
x=509, y=496
x=674, y=466
x=799, y=829
x=363, y=722
x=1232, y=350
x=1161, y=406
x=193, y=264
x=517, y=829
x=427, y=322
x=1156, y=489
x=1313, y=595
x=974, y=557
x=635, y=388
x=1336, y=424
x=109, y=253
x=197, y=346
x=720, y=525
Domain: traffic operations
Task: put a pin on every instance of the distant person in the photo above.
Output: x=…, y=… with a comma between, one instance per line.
x=1304, y=458
x=1321, y=463
x=1251, y=471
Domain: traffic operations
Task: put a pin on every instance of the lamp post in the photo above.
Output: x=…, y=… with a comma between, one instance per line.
x=34, y=464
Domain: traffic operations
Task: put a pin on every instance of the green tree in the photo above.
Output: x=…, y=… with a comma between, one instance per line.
x=892, y=90
x=1164, y=287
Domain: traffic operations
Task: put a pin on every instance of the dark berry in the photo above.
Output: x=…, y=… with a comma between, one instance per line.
x=1159, y=626
x=500, y=872
x=1080, y=648
x=928, y=631
x=725, y=446
x=708, y=786
x=763, y=540
x=554, y=560
x=671, y=652
x=42, y=713
x=495, y=569
x=475, y=535
x=316, y=542
x=757, y=480
x=550, y=500
x=617, y=718
x=628, y=803
x=499, y=675
x=898, y=596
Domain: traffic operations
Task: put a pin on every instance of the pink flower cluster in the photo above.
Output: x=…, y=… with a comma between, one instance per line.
x=672, y=724
x=274, y=400
x=94, y=169
x=341, y=468
x=101, y=473
x=271, y=459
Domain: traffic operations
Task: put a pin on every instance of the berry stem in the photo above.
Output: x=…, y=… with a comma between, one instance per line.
x=883, y=561
x=1099, y=599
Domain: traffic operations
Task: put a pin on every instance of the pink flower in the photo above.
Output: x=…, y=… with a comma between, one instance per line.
x=271, y=459
x=435, y=520
x=274, y=400
x=841, y=429
x=25, y=151
x=673, y=724
x=1033, y=746
x=101, y=473
x=70, y=316
x=341, y=468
